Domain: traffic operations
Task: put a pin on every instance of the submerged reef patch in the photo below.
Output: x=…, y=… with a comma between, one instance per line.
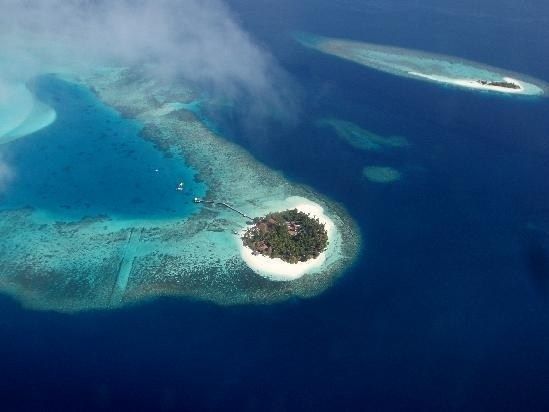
x=425, y=66
x=107, y=261
x=381, y=174
x=361, y=138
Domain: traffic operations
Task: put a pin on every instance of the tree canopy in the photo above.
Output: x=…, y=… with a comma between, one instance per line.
x=290, y=235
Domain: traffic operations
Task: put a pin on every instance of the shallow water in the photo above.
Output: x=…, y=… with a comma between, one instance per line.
x=446, y=70
x=111, y=250
x=91, y=161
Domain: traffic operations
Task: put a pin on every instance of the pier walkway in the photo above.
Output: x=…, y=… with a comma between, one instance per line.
x=212, y=202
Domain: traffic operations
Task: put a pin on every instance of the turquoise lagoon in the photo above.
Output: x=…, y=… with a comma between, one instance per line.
x=91, y=162
x=92, y=219
x=421, y=65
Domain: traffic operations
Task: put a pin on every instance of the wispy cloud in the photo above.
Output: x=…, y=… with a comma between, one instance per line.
x=199, y=40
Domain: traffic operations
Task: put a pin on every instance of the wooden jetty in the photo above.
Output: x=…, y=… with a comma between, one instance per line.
x=213, y=202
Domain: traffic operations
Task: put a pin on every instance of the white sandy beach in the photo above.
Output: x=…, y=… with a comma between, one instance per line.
x=474, y=84
x=22, y=114
x=277, y=269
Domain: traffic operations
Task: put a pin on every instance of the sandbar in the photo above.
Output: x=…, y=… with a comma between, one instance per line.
x=21, y=113
x=110, y=261
x=475, y=84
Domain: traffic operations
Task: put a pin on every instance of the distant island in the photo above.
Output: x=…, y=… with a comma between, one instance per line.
x=508, y=85
x=291, y=235
x=425, y=66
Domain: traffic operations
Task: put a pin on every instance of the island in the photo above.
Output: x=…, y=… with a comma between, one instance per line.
x=421, y=65
x=290, y=235
x=162, y=244
x=506, y=84
x=301, y=243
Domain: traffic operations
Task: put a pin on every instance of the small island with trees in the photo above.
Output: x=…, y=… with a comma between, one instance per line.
x=290, y=235
x=506, y=84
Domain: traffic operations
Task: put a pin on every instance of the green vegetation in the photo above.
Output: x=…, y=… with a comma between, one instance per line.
x=291, y=235
x=508, y=85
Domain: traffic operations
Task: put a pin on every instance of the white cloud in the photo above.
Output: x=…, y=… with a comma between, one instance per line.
x=198, y=40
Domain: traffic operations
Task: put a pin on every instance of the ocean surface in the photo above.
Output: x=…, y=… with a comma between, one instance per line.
x=448, y=305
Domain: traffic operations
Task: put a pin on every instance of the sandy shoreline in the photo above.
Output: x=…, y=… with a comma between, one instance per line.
x=21, y=114
x=474, y=84
x=277, y=269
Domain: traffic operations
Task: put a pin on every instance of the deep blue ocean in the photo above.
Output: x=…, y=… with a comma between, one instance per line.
x=448, y=305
